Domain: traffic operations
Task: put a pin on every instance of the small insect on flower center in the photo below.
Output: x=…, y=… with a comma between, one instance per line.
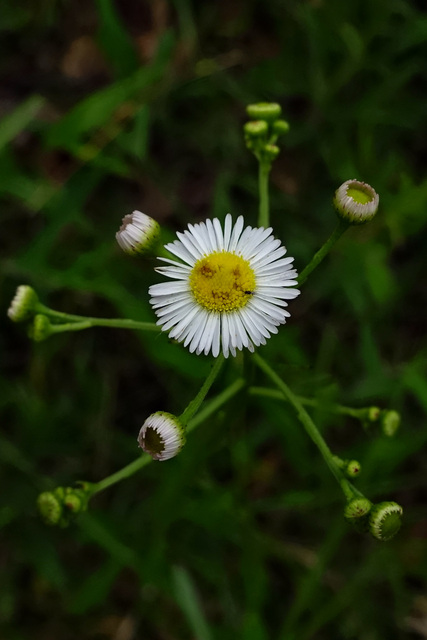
x=153, y=443
x=360, y=193
x=222, y=281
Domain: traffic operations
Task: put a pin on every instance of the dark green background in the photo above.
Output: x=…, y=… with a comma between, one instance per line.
x=113, y=106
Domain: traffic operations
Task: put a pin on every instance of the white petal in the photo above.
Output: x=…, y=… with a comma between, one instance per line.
x=167, y=288
x=219, y=234
x=178, y=249
x=212, y=236
x=225, y=334
x=237, y=230
x=175, y=263
x=197, y=231
x=173, y=272
x=227, y=231
x=216, y=336
x=198, y=336
x=191, y=244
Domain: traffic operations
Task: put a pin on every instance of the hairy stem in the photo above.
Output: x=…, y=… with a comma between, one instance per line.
x=86, y=322
x=360, y=414
x=311, y=429
x=264, y=206
x=323, y=251
x=194, y=405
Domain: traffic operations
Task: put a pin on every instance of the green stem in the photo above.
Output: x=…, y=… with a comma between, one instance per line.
x=85, y=322
x=194, y=405
x=143, y=460
x=213, y=405
x=69, y=326
x=323, y=251
x=311, y=429
x=360, y=414
x=264, y=207
x=126, y=472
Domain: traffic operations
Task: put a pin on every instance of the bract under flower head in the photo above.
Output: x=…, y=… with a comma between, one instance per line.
x=138, y=234
x=229, y=289
x=162, y=436
x=356, y=202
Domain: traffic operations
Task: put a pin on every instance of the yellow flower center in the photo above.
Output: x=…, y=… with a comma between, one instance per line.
x=222, y=281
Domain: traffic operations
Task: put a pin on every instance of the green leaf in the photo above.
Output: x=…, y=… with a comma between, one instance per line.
x=114, y=39
x=96, y=110
x=189, y=602
x=12, y=124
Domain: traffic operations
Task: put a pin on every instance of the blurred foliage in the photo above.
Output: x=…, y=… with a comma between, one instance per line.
x=110, y=106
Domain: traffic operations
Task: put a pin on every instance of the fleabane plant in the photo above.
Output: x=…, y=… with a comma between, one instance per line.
x=226, y=288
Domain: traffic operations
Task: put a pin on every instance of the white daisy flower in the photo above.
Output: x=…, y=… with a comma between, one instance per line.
x=229, y=289
x=138, y=233
x=162, y=436
x=356, y=202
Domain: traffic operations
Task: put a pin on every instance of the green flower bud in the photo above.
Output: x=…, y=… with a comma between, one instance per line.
x=50, y=507
x=24, y=304
x=60, y=506
x=357, y=508
x=356, y=202
x=385, y=520
x=139, y=234
x=280, y=127
x=162, y=436
x=373, y=414
x=40, y=329
x=270, y=152
x=256, y=129
x=356, y=513
x=74, y=502
x=268, y=111
x=390, y=422
x=352, y=468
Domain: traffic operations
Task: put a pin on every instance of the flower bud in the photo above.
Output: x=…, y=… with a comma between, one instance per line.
x=385, y=520
x=270, y=152
x=256, y=129
x=373, y=414
x=139, y=234
x=268, y=111
x=24, y=304
x=280, y=127
x=356, y=512
x=357, y=508
x=60, y=506
x=352, y=468
x=40, y=329
x=162, y=436
x=356, y=202
x=50, y=507
x=390, y=422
